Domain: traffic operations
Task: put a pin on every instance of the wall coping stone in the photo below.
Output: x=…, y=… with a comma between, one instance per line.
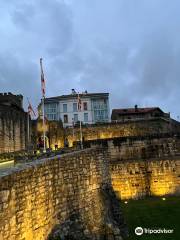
x=38, y=162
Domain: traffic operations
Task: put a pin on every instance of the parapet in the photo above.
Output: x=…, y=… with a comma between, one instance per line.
x=11, y=99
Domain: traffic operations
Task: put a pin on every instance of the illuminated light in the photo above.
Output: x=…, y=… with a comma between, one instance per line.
x=163, y=198
x=104, y=135
x=52, y=147
x=126, y=202
x=159, y=189
x=38, y=152
x=7, y=162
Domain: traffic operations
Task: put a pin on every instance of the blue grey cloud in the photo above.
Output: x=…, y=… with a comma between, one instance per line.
x=128, y=48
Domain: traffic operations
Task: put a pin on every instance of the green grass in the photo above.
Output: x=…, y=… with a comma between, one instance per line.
x=153, y=213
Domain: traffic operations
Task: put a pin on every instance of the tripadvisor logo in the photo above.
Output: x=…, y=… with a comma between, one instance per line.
x=139, y=231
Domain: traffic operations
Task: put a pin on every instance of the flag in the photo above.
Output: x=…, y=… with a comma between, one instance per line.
x=30, y=109
x=79, y=103
x=42, y=79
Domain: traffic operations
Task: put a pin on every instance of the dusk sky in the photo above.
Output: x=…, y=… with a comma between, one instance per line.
x=129, y=48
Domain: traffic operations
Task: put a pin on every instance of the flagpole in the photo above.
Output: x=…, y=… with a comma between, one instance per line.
x=30, y=110
x=81, y=135
x=43, y=98
x=80, y=125
x=73, y=133
x=28, y=131
x=73, y=127
x=28, y=124
x=44, y=134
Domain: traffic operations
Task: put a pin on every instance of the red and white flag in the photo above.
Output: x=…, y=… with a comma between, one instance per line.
x=42, y=79
x=30, y=109
x=79, y=103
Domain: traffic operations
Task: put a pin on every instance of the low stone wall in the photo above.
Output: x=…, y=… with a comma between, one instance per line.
x=57, y=134
x=38, y=199
x=138, y=148
x=137, y=179
x=120, y=129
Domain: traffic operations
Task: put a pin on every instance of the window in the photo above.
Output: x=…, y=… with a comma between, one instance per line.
x=85, y=117
x=50, y=108
x=85, y=106
x=65, y=118
x=75, y=118
x=64, y=107
x=100, y=115
x=74, y=107
x=51, y=116
x=100, y=104
x=100, y=108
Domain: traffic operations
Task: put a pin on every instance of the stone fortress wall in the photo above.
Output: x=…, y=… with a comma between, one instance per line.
x=71, y=193
x=112, y=130
x=143, y=167
x=109, y=130
x=137, y=159
x=137, y=179
x=75, y=193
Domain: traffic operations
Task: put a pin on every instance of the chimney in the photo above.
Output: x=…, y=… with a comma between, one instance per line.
x=136, y=108
x=73, y=91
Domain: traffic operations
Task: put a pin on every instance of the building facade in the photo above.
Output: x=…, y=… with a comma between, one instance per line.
x=126, y=114
x=94, y=108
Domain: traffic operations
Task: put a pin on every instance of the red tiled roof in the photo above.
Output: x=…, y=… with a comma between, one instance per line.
x=125, y=111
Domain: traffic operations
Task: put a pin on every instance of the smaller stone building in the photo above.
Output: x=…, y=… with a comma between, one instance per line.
x=135, y=113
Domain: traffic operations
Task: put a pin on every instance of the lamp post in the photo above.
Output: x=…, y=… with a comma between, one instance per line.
x=73, y=127
x=81, y=135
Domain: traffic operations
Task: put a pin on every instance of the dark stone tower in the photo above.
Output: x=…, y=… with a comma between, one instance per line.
x=13, y=123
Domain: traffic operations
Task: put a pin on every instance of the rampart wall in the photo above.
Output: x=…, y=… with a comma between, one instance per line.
x=122, y=129
x=69, y=195
x=137, y=179
x=57, y=134
x=143, y=166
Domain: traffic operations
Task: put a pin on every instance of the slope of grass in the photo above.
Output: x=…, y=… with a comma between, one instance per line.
x=153, y=213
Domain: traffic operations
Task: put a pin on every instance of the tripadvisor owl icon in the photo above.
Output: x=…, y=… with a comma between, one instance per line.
x=139, y=231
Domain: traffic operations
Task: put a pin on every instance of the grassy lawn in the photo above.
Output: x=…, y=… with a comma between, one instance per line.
x=153, y=213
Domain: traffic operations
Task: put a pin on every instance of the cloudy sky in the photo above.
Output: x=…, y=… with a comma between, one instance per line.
x=129, y=48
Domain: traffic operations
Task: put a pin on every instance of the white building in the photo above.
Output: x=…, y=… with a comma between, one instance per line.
x=95, y=108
